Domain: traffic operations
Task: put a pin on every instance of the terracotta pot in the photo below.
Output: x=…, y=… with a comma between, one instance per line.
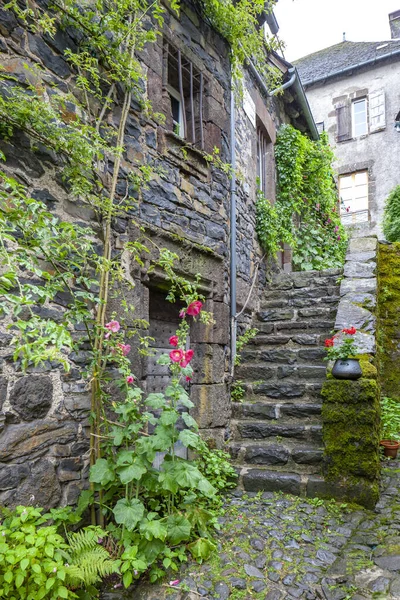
x=348, y=368
x=390, y=448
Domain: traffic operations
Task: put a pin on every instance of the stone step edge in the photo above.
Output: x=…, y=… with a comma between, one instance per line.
x=307, y=485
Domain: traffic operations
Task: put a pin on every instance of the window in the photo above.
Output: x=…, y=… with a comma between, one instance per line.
x=353, y=190
x=359, y=117
x=262, y=144
x=185, y=86
x=320, y=126
x=377, y=118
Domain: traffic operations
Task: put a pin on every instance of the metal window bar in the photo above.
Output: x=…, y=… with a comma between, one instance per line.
x=192, y=104
x=201, y=111
x=181, y=93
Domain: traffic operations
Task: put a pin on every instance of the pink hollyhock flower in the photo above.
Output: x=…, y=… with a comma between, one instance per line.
x=188, y=378
x=187, y=358
x=182, y=314
x=176, y=355
x=174, y=582
x=130, y=379
x=173, y=340
x=194, y=308
x=113, y=326
x=125, y=348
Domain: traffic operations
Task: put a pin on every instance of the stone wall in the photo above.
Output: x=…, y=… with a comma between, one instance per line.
x=351, y=409
x=44, y=412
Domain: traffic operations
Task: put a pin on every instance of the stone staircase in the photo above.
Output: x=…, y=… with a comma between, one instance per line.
x=276, y=427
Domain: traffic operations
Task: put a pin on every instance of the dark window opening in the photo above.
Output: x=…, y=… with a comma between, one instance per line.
x=186, y=88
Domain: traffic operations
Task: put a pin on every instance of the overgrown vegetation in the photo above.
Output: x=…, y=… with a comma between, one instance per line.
x=391, y=218
x=306, y=212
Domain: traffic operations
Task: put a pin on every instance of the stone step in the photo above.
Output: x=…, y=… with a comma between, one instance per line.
x=280, y=355
x=288, y=482
x=281, y=390
x=292, y=429
x=261, y=371
x=275, y=454
x=275, y=411
x=293, y=340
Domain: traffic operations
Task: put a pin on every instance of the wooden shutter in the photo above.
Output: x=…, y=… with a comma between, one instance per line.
x=377, y=117
x=343, y=122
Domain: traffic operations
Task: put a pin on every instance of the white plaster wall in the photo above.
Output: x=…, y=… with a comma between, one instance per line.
x=381, y=148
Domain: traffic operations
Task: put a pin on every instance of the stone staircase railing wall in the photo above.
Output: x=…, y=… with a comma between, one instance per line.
x=350, y=411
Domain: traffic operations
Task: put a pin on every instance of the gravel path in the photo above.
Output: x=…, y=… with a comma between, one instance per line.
x=279, y=547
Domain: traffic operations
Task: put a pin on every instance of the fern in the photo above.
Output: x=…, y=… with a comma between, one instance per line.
x=88, y=561
x=391, y=219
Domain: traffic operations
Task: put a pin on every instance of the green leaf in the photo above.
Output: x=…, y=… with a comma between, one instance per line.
x=24, y=563
x=131, y=472
x=128, y=513
x=164, y=359
x=169, y=417
x=62, y=592
x=190, y=439
x=127, y=579
x=202, y=549
x=178, y=529
x=19, y=579
x=155, y=400
x=185, y=401
x=154, y=529
x=102, y=472
x=189, y=421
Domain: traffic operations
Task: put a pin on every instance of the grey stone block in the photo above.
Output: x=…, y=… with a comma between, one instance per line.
x=364, y=244
x=355, y=285
x=267, y=455
x=271, y=481
x=349, y=314
x=359, y=269
x=31, y=397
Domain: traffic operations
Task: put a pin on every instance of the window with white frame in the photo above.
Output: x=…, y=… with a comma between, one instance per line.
x=377, y=119
x=359, y=117
x=262, y=160
x=353, y=190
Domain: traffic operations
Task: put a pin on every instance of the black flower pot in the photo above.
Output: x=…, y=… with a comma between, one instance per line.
x=348, y=368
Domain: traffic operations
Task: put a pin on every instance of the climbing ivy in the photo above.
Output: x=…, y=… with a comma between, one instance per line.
x=391, y=219
x=305, y=214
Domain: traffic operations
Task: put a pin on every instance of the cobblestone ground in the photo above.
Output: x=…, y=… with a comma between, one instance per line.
x=278, y=547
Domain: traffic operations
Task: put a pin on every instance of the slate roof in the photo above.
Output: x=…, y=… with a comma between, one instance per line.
x=325, y=63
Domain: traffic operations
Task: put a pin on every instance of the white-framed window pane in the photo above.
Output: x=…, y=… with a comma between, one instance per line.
x=353, y=191
x=359, y=117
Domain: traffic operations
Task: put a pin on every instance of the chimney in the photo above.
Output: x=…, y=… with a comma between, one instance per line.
x=394, y=21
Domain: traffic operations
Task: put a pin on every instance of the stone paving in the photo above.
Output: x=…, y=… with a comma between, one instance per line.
x=279, y=547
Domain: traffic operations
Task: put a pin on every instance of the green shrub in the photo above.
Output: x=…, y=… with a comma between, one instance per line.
x=391, y=218
x=37, y=563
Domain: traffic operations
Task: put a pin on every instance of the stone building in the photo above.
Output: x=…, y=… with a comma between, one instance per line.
x=187, y=208
x=353, y=90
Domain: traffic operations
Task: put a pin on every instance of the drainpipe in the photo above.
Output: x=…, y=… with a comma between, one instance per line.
x=233, y=232
x=299, y=90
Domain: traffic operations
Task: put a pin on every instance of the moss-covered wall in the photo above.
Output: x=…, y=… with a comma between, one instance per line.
x=350, y=416
x=388, y=325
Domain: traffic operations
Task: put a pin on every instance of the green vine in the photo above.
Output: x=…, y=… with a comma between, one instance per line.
x=306, y=212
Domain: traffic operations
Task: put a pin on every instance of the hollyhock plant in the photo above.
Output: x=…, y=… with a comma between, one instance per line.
x=125, y=349
x=113, y=326
x=177, y=355
x=341, y=345
x=130, y=379
x=188, y=355
x=194, y=308
x=174, y=340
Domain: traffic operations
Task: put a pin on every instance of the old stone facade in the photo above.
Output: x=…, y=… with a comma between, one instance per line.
x=353, y=92
x=44, y=412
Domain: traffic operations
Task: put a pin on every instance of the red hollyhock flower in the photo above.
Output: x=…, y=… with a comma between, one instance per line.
x=329, y=343
x=350, y=330
x=173, y=340
x=187, y=358
x=194, y=308
x=176, y=355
